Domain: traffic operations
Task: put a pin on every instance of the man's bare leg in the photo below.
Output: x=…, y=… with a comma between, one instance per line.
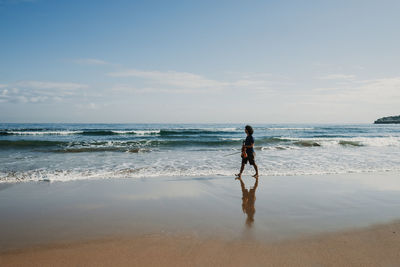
x=256, y=169
x=241, y=171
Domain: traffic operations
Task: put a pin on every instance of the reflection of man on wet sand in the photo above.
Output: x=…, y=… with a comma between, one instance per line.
x=248, y=201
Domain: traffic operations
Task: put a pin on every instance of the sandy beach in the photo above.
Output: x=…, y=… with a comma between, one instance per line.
x=375, y=246
x=326, y=220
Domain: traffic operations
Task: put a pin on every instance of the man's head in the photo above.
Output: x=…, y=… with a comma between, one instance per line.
x=249, y=129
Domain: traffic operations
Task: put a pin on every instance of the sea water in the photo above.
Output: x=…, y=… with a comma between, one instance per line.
x=64, y=152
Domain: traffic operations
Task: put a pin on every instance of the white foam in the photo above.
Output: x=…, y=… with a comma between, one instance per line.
x=224, y=129
x=291, y=129
x=277, y=148
x=138, y=132
x=229, y=129
x=380, y=141
x=44, y=132
x=75, y=175
x=388, y=141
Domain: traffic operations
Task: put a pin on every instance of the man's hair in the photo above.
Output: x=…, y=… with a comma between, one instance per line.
x=249, y=129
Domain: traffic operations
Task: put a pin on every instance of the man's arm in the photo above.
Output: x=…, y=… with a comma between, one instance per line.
x=249, y=146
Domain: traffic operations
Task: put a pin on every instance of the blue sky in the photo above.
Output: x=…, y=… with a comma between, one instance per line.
x=199, y=61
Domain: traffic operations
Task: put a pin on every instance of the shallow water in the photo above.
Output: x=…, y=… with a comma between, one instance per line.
x=281, y=207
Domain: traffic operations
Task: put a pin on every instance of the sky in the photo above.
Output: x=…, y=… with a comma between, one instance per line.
x=199, y=61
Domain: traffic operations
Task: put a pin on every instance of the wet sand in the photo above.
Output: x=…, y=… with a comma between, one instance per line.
x=327, y=220
x=375, y=246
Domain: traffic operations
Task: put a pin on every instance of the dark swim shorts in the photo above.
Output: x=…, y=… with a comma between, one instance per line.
x=250, y=159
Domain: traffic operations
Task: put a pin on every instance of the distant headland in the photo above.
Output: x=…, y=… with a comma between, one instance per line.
x=391, y=119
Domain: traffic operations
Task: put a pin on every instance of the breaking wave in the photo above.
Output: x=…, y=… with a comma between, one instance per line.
x=123, y=145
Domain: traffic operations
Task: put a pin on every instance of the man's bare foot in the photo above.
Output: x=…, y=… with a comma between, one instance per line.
x=239, y=175
x=255, y=175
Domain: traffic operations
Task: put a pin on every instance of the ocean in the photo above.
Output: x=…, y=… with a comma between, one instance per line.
x=65, y=152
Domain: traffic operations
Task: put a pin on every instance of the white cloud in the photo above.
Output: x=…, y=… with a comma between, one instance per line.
x=258, y=75
x=39, y=91
x=384, y=91
x=126, y=88
x=51, y=85
x=253, y=85
x=337, y=77
x=184, y=82
x=172, y=78
x=88, y=106
x=91, y=61
x=379, y=91
x=349, y=101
